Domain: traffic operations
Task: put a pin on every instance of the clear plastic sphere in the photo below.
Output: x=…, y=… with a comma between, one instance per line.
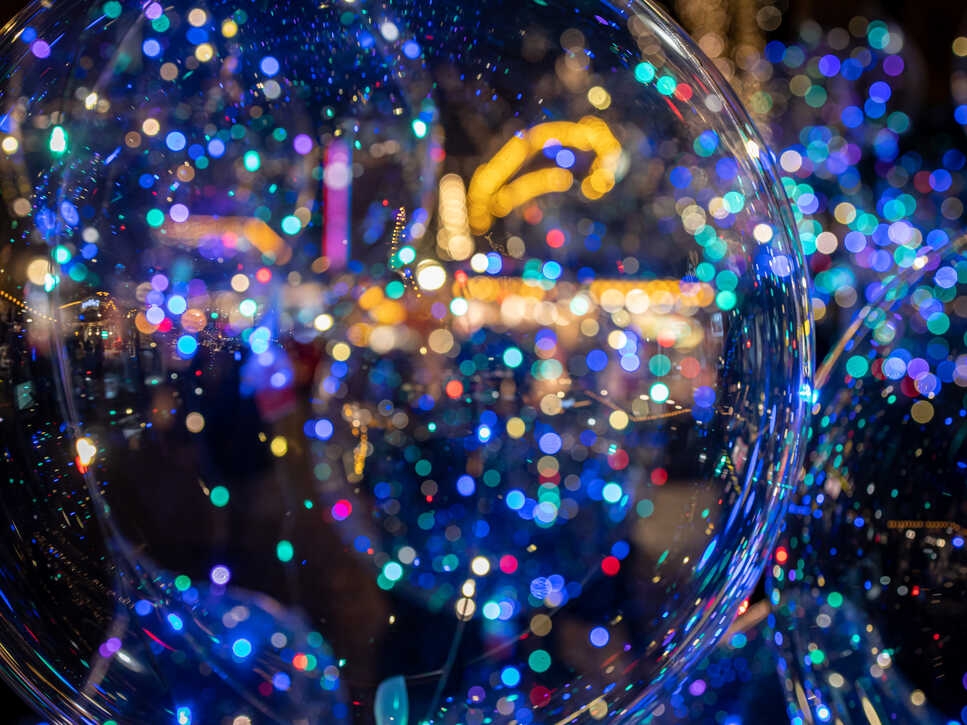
x=870, y=576
x=371, y=361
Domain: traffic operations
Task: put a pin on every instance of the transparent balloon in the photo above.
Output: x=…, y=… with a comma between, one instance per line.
x=442, y=362
x=869, y=578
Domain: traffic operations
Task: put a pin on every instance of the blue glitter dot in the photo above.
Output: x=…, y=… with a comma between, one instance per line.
x=269, y=65
x=726, y=169
x=466, y=485
x=323, y=429
x=597, y=360
x=599, y=637
x=680, y=177
x=151, y=47
x=411, y=49
x=175, y=140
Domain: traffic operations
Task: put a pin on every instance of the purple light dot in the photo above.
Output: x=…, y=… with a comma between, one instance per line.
x=155, y=315
x=893, y=65
x=40, y=49
x=302, y=144
x=153, y=11
x=221, y=575
x=697, y=688
x=179, y=213
x=550, y=443
x=829, y=65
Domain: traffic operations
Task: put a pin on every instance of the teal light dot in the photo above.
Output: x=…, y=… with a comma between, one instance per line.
x=857, y=366
x=291, y=225
x=513, y=357
x=407, y=254
x=817, y=656
x=393, y=571
x=284, y=550
x=644, y=72
x=938, y=323
x=395, y=289
x=660, y=365
x=155, y=217
x=725, y=300
x=242, y=648
x=62, y=255
x=420, y=128
x=248, y=307
x=539, y=660
x=734, y=201
x=705, y=271
x=219, y=496
x=835, y=600
x=161, y=23
x=726, y=280
x=251, y=161
x=78, y=272
x=182, y=583
x=112, y=8
x=645, y=508
x=666, y=85
x=815, y=96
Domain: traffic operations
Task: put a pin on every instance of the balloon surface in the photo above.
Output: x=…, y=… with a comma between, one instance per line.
x=870, y=575
x=383, y=361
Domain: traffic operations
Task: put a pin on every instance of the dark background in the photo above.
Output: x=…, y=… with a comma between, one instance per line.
x=931, y=25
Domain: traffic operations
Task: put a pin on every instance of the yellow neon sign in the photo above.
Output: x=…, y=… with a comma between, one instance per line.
x=492, y=195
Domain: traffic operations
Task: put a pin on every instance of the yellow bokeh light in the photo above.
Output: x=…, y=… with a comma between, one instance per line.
x=599, y=98
x=341, y=352
x=240, y=282
x=37, y=271
x=195, y=422
x=151, y=127
x=197, y=17
x=618, y=420
x=279, y=446
x=204, y=52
